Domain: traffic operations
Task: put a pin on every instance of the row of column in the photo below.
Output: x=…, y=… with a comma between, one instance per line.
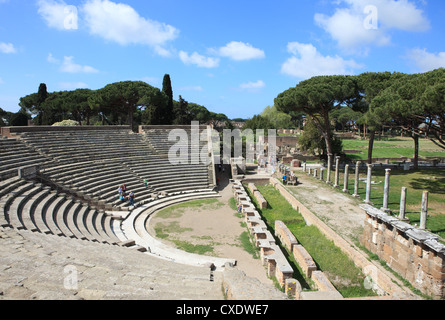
x=385, y=207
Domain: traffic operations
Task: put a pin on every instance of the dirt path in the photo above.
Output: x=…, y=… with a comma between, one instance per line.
x=217, y=227
x=338, y=210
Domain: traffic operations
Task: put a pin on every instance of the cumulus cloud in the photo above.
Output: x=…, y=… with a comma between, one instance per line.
x=198, y=60
x=72, y=85
x=69, y=66
x=252, y=86
x=53, y=12
x=367, y=22
x=115, y=22
x=7, y=48
x=120, y=23
x=240, y=51
x=426, y=61
x=307, y=62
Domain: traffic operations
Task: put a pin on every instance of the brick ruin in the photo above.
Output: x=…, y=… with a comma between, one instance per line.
x=415, y=254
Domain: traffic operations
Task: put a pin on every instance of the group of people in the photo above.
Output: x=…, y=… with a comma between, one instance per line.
x=122, y=190
x=290, y=178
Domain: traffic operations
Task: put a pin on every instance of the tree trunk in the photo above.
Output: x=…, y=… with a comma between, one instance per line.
x=371, y=145
x=416, y=150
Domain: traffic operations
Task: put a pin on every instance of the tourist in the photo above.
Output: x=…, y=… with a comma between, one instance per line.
x=284, y=178
x=240, y=208
x=119, y=190
x=146, y=183
x=124, y=188
x=131, y=197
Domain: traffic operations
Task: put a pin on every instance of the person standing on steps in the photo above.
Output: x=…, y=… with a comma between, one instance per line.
x=131, y=197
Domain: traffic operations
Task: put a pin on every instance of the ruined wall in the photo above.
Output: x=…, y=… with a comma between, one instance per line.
x=413, y=253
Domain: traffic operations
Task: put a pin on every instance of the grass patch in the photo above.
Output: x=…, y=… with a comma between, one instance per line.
x=163, y=230
x=247, y=244
x=391, y=148
x=193, y=248
x=177, y=210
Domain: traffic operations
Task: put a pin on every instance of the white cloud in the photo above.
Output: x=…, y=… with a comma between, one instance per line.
x=307, y=62
x=116, y=22
x=7, y=48
x=72, y=85
x=252, y=86
x=69, y=66
x=426, y=61
x=240, y=51
x=120, y=23
x=349, y=26
x=198, y=60
x=51, y=59
x=53, y=12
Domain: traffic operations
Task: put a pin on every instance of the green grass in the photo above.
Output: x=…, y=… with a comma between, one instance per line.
x=177, y=210
x=343, y=273
x=163, y=230
x=193, y=248
x=391, y=148
x=247, y=244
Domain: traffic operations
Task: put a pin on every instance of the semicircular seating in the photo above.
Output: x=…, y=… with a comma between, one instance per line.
x=89, y=164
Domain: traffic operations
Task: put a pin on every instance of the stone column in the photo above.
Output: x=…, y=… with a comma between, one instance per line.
x=337, y=172
x=304, y=167
x=386, y=191
x=346, y=181
x=368, y=185
x=424, y=210
x=403, y=204
x=322, y=174
x=315, y=173
x=328, y=178
x=357, y=179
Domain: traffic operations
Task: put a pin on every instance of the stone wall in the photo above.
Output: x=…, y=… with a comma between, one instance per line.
x=413, y=253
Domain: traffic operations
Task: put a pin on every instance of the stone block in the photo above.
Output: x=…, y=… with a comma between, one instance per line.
x=293, y=288
x=304, y=260
x=322, y=282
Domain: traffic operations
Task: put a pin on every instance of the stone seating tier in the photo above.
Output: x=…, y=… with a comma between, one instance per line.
x=31, y=206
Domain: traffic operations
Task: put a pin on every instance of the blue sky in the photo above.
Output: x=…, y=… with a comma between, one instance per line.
x=233, y=57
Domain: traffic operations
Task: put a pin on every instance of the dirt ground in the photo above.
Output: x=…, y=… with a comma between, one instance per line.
x=218, y=227
x=338, y=210
x=221, y=228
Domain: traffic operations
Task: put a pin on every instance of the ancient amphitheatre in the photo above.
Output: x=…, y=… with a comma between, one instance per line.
x=65, y=234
